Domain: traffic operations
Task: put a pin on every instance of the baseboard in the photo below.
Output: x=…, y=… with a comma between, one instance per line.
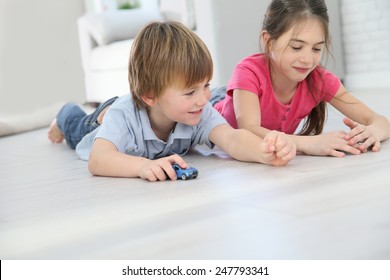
x=372, y=80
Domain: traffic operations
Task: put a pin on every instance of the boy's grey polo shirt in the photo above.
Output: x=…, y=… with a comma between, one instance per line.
x=129, y=129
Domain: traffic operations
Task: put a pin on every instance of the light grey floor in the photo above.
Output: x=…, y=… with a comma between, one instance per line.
x=314, y=208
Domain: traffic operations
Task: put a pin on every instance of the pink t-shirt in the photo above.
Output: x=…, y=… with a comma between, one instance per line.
x=252, y=74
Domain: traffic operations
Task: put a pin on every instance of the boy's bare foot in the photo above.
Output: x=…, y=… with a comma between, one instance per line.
x=55, y=134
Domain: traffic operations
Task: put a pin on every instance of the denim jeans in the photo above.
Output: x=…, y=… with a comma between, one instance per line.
x=74, y=123
x=217, y=94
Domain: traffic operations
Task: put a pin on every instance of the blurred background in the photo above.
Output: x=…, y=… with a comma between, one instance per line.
x=41, y=64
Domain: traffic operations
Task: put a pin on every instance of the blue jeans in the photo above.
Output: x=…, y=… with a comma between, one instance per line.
x=217, y=94
x=74, y=123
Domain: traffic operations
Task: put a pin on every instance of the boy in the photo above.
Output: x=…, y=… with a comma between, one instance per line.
x=167, y=113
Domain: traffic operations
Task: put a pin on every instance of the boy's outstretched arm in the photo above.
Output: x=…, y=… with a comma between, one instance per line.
x=275, y=149
x=106, y=160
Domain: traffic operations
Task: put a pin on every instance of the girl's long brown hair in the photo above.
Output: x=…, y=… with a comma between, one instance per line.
x=280, y=17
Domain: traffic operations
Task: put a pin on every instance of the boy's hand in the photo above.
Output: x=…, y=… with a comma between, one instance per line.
x=161, y=169
x=278, y=148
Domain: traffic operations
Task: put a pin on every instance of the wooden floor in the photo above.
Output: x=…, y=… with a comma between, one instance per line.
x=314, y=208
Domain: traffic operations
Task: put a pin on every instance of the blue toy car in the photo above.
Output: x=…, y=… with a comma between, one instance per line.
x=184, y=174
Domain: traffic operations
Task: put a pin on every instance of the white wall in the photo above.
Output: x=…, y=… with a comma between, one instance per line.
x=366, y=33
x=40, y=60
x=39, y=54
x=231, y=30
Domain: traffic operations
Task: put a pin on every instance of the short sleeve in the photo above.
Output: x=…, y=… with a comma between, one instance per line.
x=118, y=130
x=211, y=118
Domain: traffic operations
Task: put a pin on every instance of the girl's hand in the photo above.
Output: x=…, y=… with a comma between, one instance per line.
x=327, y=144
x=161, y=169
x=278, y=148
x=361, y=136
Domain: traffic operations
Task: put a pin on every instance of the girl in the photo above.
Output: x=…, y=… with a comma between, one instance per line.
x=277, y=89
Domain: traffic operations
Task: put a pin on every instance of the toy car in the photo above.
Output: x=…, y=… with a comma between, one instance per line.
x=184, y=174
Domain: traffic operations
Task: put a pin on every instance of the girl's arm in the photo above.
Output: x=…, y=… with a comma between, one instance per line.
x=275, y=149
x=106, y=160
x=247, y=110
x=368, y=128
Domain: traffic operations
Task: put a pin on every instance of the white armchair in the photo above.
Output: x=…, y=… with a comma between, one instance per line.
x=105, y=40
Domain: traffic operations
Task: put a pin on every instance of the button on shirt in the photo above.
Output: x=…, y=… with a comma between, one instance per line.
x=129, y=129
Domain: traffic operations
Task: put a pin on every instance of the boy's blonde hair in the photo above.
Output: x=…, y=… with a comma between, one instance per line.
x=166, y=54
